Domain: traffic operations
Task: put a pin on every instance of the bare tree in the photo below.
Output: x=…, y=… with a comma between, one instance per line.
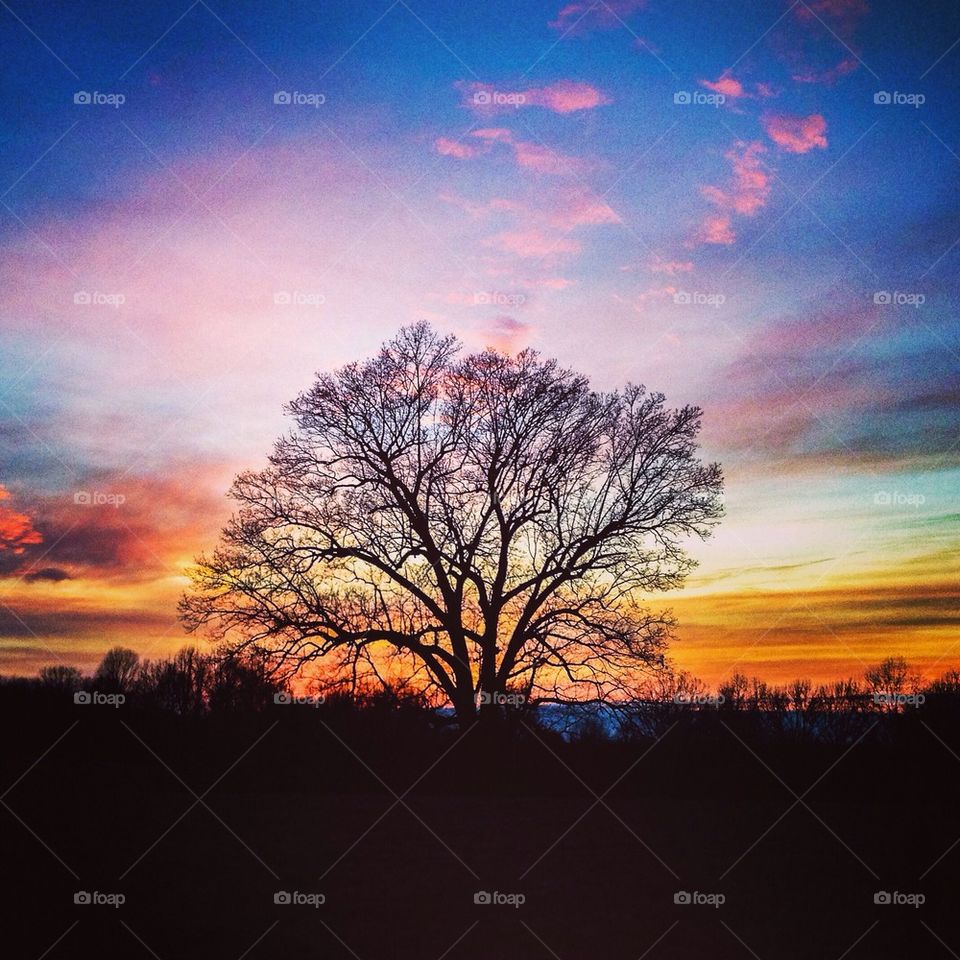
x=483, y=525
x=117, y=670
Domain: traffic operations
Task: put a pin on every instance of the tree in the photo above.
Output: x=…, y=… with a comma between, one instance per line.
x=117, y=670
x=483, y=525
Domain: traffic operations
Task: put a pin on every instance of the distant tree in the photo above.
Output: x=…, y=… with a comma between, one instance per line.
x=179, y=684
x=889, y=681
x=61, y=678
x=117, y=670
x=487, y=525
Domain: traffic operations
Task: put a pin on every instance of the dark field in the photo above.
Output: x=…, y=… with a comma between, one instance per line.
x=198, y=822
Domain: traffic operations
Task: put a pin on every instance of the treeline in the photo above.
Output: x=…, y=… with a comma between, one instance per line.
x=194, y=683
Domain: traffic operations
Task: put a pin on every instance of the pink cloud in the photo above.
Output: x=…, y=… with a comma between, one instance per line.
x=584, y=15
x=501, y=134
x=670, y=267
x=532, y=156
x=554, y=283
x=580, y=208
x=564, y=96
x=453, y=148
x=536, y=156
x=716, y=229
x=534, y=243
x=796, y=134
x=746, y=193
x=508, y=335
x=734, y=89
x=726, y=85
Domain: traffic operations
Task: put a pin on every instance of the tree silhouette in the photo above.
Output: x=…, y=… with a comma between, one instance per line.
x=484, y=525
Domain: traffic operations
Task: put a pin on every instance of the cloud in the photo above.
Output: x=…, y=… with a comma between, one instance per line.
x=734, y=89
x=543, y=159
x=585, y=15
x=453, y=148
x=564, y=96
x=531, y=156
x=670, y=267
x=51, y=574
x=745, y=194
x=508, y=335
x=17, y=531
x=796, y=134
x=716, y=229
x=534, y=243
x=809, y=40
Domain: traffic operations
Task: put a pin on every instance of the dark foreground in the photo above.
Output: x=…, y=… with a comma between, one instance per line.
x=200, y=822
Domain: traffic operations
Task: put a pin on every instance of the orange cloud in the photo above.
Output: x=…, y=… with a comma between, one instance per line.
x=16, y=529
x=796, y=134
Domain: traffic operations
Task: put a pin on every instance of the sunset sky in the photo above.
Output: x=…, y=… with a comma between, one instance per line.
x=752, y=207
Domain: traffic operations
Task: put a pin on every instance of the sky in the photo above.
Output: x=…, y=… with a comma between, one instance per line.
x=751, y=207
